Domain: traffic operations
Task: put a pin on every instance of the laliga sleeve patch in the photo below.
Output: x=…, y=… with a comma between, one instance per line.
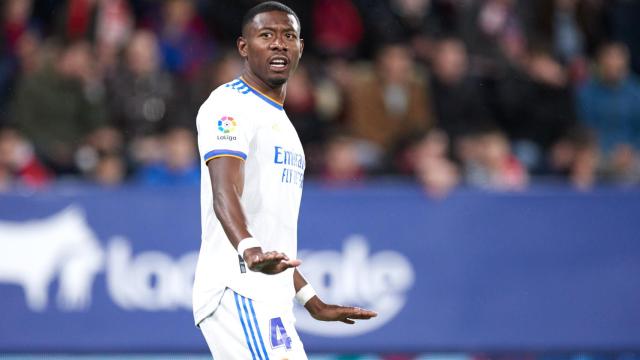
x=227, y=124
x=227, y=129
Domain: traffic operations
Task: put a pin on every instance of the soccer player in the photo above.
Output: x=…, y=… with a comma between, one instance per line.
x=252, y=173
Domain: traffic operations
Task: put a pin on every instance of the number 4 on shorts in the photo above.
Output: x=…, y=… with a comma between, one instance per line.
x=279, y=335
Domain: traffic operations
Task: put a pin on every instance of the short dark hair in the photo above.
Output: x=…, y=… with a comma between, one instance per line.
x=266, y=7
x=612, y=45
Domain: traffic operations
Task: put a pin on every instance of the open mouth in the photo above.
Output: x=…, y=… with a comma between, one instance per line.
x=279, y=63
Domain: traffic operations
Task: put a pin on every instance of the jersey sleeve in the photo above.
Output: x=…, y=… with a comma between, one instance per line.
x=222, y=129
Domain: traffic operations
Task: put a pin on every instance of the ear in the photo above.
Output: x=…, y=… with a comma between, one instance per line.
x=301, y=48
x=241, y=43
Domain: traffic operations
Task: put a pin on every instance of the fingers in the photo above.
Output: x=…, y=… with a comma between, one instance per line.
x=358, y=313
x=278, y=255
x=264, y=259
x=354, y=313
x=274, y=256
x=286, y=264
x=293, y=263
x=272, y=262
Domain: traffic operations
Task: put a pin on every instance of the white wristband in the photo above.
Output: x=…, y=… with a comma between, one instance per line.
x=305, y=294
x=247, y=243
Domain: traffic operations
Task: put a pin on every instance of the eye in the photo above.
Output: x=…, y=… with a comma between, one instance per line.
x=291, y=36
x=265, y=35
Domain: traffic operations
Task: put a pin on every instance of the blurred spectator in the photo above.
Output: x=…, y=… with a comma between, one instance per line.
x=25, y=61
x=15, y=21
x=610, y=104
x=388, y=104
x=571, y=28
x=106, y=23
x=301, y=107
x=538, y=108
x=184, y=42
x=6, y=179
x=332, y=88
x=179, y=164
x=493, y=31
x=576, y=156
x=14, y=24
x=78, y=19
x=337, y=27
x=142, y=97
x=436, y=173
x=623, y=18
x=458, y=99
x=57, y=107
x=102, y=146
x=413, y=21
x=568, y=40
x=114, y=27
x=489, y=164
x=28, y=55
x=109, y=171
x=341, y=162
x=18, y=162
x=227, y=68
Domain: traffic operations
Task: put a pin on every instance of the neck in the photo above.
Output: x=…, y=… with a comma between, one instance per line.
x=277, y=93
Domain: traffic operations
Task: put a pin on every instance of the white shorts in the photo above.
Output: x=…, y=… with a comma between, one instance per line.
x=242, y=328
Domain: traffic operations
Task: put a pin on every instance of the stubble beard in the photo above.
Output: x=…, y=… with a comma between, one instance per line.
x=277, y=82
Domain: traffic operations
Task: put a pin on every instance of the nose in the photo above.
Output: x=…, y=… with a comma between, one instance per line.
x=278, y=43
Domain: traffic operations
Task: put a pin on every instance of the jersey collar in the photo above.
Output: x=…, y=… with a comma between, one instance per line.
x=278, y=105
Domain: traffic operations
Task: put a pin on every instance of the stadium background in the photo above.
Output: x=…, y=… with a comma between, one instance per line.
x=492, y=142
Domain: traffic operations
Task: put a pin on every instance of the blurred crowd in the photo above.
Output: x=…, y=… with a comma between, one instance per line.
x=492, y=94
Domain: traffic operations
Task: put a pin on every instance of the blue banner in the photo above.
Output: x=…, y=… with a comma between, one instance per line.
x=90, y=270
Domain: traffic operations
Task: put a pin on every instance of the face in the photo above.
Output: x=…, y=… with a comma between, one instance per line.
x=613, y=63
x=271, y=46
x=179, y=12
x=76, y=60
x=395, y=64
x=142, y=53
x=450, y=61
x=181, y=147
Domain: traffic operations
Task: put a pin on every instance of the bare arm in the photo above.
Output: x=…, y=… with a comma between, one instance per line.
x=227, y=182
x=298, y=280
x=325, y=312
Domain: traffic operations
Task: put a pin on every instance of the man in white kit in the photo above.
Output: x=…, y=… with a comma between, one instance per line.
x=252, y=173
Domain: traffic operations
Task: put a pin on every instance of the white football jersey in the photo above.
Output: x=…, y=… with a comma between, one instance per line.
x=237, y=120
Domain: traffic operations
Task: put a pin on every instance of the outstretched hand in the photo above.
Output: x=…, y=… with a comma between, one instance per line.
x=346, y=314
x=271, y=262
